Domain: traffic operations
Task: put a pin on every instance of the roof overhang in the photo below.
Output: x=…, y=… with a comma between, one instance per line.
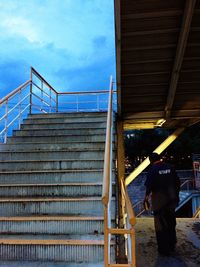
x=158, y=62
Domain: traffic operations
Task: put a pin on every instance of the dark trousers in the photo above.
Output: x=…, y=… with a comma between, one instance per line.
x=165, y=227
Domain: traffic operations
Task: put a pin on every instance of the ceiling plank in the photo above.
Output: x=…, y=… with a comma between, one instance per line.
x=182, y=43
x=118, y=51
x=155, y=14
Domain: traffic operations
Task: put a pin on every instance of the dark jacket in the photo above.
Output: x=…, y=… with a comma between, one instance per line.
x=163, y=184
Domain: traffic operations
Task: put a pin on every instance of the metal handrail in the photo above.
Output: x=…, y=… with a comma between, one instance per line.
x=108, y=147
x=128, y=229
x=14, y=92
x=197, y=213
x=187, y=182
x=45, y=99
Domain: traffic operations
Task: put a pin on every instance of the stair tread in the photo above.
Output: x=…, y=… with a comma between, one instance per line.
x=49, y=160
x=52, y=218
x=48, y=199
x=56, y=129
x=56, y=184
x=47, y=264
x=52, y=150
x=52, y=171
x=54, y=241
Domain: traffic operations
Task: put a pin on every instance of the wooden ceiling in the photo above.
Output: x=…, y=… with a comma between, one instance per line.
x=158, y=62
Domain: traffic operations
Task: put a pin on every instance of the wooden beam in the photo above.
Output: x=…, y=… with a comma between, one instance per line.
x=118, y=52
x=149, y=47
x=180, y=51
x=158, y=14
x=150, y=32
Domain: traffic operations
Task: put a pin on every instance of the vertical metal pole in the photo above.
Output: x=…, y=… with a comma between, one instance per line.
x=98, y=104
x=20, y=107
x=50, y=101
x=121, y=204
x=133, y=254
x=42, y=95
x=6, y=122
x=31, y=90
x=57, y=102
x=106, y=239
x=77, y=103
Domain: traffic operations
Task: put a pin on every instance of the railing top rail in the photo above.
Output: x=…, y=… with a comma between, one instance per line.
x=107, y=166
x=85, y=92
x=40, y=77
x=187, y=181
x=14, y=91
x=130, y=212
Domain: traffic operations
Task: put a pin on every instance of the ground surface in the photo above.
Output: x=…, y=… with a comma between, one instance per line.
x=188, y=246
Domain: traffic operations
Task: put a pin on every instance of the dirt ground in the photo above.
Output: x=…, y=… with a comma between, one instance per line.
x=188, y=247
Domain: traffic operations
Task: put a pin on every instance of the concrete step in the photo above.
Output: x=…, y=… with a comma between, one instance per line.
x=52, y=225
x=72, y=251
x=53, y=176
x=52, y=146
x=87, y=206
x=52, y=155
x=80, y=119
x=54, y=139
x=48, y=264
x=68, y=115
x=64, y=126
x=51, y=190
x=21, y=165
x=58, y=132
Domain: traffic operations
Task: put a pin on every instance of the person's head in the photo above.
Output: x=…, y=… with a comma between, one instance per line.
x=153, y=157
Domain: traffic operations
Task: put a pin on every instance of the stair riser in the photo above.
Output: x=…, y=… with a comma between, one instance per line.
x=55, y=139
x=49, y=146
x=67, y=253
x=88, y=207
x=64, y=126
x=58, y=132
x=55, y=165
x=79, y=227
x=72, y=115
x=50, y=191
x=53, y=155
x=43, y=263
x=71, y=177
x=65, y=120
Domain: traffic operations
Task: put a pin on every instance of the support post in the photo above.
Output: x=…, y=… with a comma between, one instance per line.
x=121, y=176
x=31, y=89
x=170, y=139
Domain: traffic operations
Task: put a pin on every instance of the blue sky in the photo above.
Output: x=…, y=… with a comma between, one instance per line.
x=70, y=42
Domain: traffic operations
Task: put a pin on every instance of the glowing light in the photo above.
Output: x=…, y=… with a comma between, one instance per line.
x=158, y=150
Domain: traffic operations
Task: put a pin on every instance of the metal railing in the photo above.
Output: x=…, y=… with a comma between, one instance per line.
x=197, y=213
x=187, y=185
x=37, y=96
x=129, y=218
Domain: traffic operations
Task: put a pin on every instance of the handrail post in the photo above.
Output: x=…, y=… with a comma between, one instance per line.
x=57, y=95
x=133, y=256
x=6, y=122
x=20, y=106
x=106, y=238
x=31, y=90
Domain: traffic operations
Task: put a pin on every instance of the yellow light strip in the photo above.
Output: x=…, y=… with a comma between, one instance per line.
x=158, y=150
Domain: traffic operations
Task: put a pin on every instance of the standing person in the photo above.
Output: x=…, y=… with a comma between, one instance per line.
x=163, y=185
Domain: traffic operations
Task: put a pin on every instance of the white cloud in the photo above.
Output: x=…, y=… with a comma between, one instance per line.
x=20, y=26
x=57, y=34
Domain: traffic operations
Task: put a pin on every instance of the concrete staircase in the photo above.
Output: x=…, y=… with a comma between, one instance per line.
x=50, y=192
